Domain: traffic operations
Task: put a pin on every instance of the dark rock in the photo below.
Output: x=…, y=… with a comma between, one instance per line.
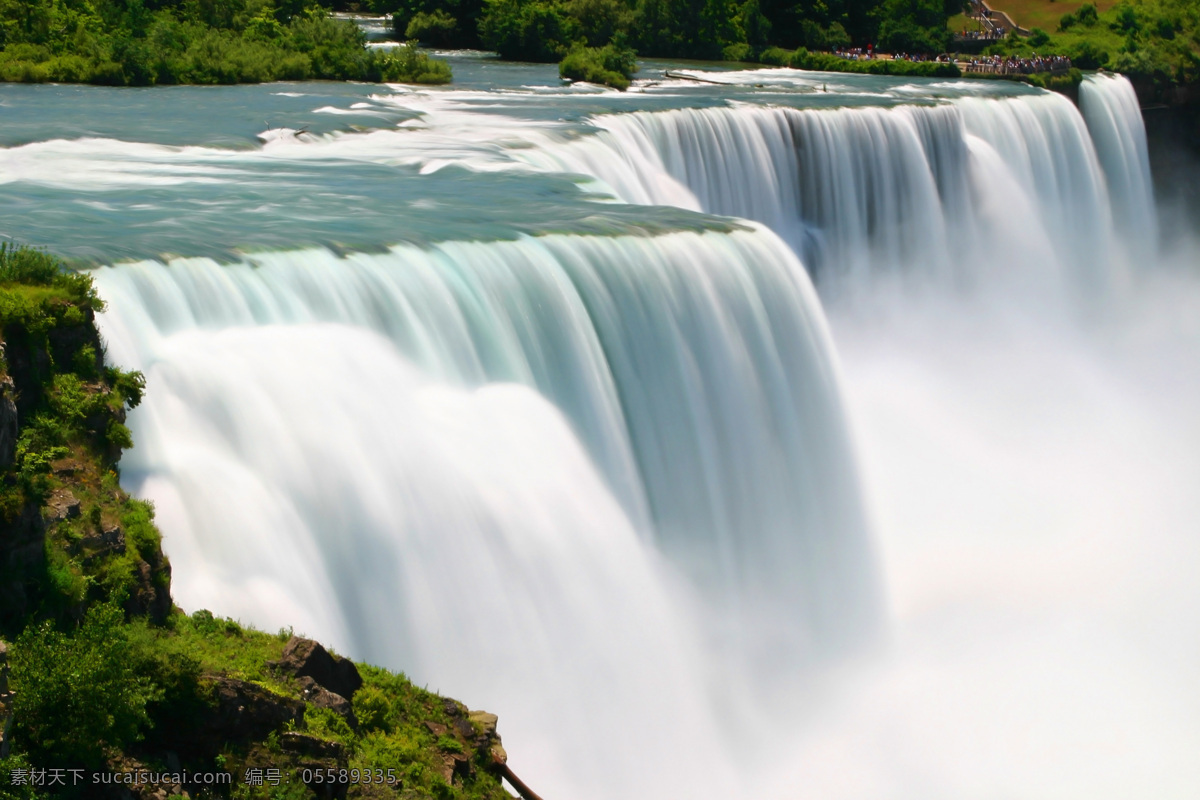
x=485, y=721
x=152, y=597
x=464, y=729
x=246, y=711
x=487, y=738
x=304, y=657
x=99, y=544
x=311, y=746
x=66, y=340
x=455, y=767
x=321, y=697
x=22, y=556
x=436, y=728
x=8, y=422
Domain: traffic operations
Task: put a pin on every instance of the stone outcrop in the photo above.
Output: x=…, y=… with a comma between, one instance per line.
x=311, y=746
x=320, y=697
x=306, y=658
x=61, y=505
x=245, y=711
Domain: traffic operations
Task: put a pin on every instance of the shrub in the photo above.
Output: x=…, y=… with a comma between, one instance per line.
x=611, y=65
x=1087, y=16
x=77, y=693
x=436, y=28
x=408, y=64
x=28, y=266
x=1087, y=55
x=373, y=709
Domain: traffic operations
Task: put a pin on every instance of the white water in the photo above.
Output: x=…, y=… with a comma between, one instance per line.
x=964, y=191
x=463, y=533
x=603, y=486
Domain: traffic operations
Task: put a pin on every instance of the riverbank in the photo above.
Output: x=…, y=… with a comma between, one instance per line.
x=239, y=42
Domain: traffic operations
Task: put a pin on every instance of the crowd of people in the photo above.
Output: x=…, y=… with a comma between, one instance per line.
x=855, y=53
x=918, y=58
x=989, y=35
x=1015, y=65
x=1000, y=65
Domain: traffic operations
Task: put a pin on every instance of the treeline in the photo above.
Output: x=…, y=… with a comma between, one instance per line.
x=548, y=30
x=1154, y=41
x=145, y=42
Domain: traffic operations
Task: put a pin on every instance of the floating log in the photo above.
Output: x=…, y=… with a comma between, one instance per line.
x=680, y=76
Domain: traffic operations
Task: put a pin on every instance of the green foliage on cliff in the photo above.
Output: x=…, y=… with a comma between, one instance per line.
x=144, y=42
x=1156, y=41
x=96, y=544
x=107, y=686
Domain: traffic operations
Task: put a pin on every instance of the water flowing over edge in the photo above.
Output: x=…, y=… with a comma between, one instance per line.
x=682, y=456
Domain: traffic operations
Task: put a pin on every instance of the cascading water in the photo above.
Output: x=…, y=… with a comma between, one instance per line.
x=695, y=367
x=585, y=461
x=857, y=191
x=1114, y=120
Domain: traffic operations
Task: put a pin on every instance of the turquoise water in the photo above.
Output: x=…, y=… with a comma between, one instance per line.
x=102, y=175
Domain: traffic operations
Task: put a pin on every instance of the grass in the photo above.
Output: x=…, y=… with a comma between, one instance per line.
x=1043, y=14
x=961, y=22
x=397, y=719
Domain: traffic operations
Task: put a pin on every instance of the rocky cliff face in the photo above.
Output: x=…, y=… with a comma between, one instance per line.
x=61, y=418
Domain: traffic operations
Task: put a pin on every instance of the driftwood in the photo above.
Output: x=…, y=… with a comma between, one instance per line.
x=506, y=772
x=680, y=76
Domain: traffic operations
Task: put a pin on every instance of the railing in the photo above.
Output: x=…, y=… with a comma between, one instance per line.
x=1009, y=68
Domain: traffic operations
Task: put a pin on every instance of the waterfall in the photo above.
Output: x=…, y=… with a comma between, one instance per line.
x=1114, y=119
x=938, y=188
x=603, y=485
x=481, y=453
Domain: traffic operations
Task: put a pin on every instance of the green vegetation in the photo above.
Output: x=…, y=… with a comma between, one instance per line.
x=100, y=545
x=407, y=64
x=145, y=42
x=611, y=65
x=108, y=685
x=803, y=59
x=546, y=30
x=555, y=30
x=79, y=692
x=1155, y=42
